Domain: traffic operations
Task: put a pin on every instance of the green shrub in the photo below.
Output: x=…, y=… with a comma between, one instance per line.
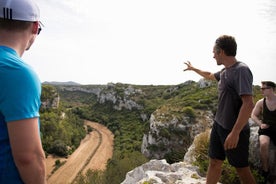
x=59, y=148
x=164, y=132
x=189, y=111
x=91, y=177
x=174, y=156
x=201, y=151
x=229, y=174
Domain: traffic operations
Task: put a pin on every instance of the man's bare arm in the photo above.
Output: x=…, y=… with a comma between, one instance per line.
x=205, y=74
x=257, y=112
x=27, y=150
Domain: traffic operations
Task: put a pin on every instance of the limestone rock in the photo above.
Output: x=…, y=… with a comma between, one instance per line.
x=160, y=172
x=171, y=133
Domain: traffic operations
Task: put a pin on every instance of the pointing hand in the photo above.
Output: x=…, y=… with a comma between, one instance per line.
x=189, y=66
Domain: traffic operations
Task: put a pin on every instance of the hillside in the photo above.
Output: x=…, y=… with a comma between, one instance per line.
x=127, y=111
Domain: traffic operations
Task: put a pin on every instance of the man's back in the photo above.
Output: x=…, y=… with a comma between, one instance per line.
x=18, y=100
x=22, y=159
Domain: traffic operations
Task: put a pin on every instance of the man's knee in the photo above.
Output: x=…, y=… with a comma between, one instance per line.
x=264, y=145
x=242, y=169
x=264, y=140
x=215, y=163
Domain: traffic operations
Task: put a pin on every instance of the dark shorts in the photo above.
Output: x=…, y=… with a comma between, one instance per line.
x=237, y=157
x=270, y=132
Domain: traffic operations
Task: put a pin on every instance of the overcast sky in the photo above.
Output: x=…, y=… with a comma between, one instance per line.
x=147, y=41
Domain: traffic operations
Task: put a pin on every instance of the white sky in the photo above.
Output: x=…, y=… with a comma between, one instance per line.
x=147, y=41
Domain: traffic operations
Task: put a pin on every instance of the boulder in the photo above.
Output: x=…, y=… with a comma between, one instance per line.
x=160, y=172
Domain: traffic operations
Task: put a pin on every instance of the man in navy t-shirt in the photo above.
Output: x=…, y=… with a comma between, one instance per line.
x=230, y=132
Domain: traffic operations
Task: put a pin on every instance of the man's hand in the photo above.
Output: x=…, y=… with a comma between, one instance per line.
x=205, y=74
x=231, y=141
x=264, y=126
x=189, y=66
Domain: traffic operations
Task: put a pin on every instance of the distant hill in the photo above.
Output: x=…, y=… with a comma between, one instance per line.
x=68, y=83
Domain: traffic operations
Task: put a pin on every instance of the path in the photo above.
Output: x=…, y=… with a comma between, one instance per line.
x=93, y=153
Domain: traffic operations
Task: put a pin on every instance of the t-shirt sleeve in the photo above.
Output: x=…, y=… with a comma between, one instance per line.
x=22, y=95
x=245, y=81
x=217, y=76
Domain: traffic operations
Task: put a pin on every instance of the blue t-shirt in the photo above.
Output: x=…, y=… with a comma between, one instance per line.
x=20, y=91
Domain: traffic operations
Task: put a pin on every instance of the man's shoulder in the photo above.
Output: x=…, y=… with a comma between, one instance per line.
x=241, y=65
x=260, y=102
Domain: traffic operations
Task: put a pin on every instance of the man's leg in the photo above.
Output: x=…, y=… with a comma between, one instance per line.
x=245, y=175
x=264, y=151
x=214, y=171
x=238, y=158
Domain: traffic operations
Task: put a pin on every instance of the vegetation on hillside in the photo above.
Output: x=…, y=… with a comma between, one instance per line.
x=61, y=130
x=128, y=126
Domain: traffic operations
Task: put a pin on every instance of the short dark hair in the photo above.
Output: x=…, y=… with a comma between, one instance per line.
x=14, y=25
x=269, y=84
x=227, y=44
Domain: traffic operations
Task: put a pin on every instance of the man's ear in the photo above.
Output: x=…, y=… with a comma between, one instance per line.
x=35, y=27
x=222, y=52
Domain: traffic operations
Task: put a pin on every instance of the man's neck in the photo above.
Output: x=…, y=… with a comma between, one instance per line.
x=230, y=61
x=271, y=97
x=15, y=43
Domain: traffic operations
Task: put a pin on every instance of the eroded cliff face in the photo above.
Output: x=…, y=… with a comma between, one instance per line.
x=49, y=97
x=120, y=98
x=173, y=133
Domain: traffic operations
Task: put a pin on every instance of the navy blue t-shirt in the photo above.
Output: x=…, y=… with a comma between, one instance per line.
x=234, y=82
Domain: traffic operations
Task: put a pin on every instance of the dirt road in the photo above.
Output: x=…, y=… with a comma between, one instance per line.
x=94, y=151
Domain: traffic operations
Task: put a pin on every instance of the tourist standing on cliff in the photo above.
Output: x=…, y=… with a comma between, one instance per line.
x=230, y=132
x=264, y=114
x=22, y=159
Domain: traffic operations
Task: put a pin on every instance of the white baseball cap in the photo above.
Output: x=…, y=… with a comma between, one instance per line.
x=24, y=10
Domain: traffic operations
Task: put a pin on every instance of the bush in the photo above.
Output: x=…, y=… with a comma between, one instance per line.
x=59, y=148
x=201, y=151
x=91, y=177
x=174, y=156
x=190, y=112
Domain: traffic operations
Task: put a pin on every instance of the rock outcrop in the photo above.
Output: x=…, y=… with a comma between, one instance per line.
x=49, y=98
x=173, y=128
x=172, y=133
x=121, y=98
x=160, y=172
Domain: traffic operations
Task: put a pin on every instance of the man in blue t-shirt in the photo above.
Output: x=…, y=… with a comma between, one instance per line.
x=22, y=159
x=230, y=132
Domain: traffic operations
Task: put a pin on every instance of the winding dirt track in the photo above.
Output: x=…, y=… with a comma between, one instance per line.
x=93, y=153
